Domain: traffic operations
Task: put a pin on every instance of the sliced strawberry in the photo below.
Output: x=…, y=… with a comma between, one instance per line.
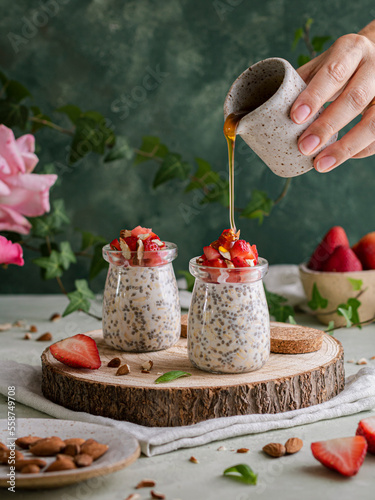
x=335, y=237
x=242, y=249
x=365, y=250
x=342, y=260
x=239, y=262
x=115, y=245
x=366, y=428
x=216, y=263
x=150, y=246
x=141, y=230
x=79, y=351
x=131, y=241
x=345, y=455
x=227, y=238
x=211, y=253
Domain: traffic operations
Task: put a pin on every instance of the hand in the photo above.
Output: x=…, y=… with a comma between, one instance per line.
x=344, y=74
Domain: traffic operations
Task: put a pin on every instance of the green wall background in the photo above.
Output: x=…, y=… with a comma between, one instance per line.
x=94, y=52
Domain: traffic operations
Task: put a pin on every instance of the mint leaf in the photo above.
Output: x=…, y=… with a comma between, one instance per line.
x=171, y=168
x=242, y=473
x=71, y=111
x=259, y=206
x=356, y=284
x=277, y=308
x=350, y=311
x=318, y=42
x=83, y=288
x=152, y=148
x=317, y=301
x=77, y=302
x=169, y=376
x=67, y=256
x=330, y=327
x=51, y=264
x=190, y=280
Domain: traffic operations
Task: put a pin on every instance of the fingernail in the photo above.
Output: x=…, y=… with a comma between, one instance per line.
x=325, y=163
x=308, y=144
x=301, y=113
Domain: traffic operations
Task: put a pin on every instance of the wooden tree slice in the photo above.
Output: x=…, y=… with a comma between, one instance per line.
x=286, y=382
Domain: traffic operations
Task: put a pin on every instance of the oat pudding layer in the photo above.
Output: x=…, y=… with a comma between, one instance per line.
x=141, y=310
x=228, y=327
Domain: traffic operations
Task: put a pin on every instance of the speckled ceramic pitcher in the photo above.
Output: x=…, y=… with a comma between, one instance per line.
x=269, y=88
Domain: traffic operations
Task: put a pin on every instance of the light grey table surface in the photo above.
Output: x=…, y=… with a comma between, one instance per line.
x=297, y=476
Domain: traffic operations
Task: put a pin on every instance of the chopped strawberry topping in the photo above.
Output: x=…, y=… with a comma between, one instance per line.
x=141, y=240
x=131, y=241
x=227, y=238
x=239, y=262
x=115, y=244
x=150, y=246
x=140, y=230
x=210, y=253
x=243, y=249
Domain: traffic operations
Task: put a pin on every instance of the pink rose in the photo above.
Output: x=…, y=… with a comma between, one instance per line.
x=21, y=192
x=10, y=253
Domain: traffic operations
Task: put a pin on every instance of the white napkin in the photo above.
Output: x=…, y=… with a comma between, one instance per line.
x=358, y=395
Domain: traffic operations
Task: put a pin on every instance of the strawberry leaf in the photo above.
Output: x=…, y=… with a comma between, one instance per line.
x=317, y=301
x=242, y=473
x=51, y=264
x=173, y=375
x=77, y=302
x=356, y=284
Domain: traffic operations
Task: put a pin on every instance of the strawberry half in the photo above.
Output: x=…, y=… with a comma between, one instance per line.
x=335, y=237
x=342, y=260
x=344, y=455
x=79, y=351
x=366, y=428
x=115, y=245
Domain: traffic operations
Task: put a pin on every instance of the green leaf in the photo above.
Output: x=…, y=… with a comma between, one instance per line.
x=277, y=307
x=204, y=176
x=90, y=239
x=347, y=312
x=317, y=301
x=219, y=193
x=171, y=168
x=330, y=327
x=291, y=320
x=71, y=111
x=97, y=263
x=169, y=376
x=190, y=280
x=309, y=22
x=297, y=37
x=242, y=473
x=318, y=42
x=3, y=78
x=356, y=284
x=122, y=150
x=152, y=147
x=351, y=310
x=13, y=114
x=67, y=256
x=303, y=59
x=83, y=287
x=77, y=302
x=16, y=92
x=51, y=264
x=41, y=226
x=91, y=135
x=259, y=206
x=38, y=114
x=59, y=215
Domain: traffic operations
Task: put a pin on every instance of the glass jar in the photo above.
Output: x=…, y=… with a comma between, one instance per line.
x=228, y=322
x=141, y=307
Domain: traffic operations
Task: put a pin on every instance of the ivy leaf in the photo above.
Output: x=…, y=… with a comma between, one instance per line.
x=204, y=176
x=356, y=284
x=317, y=301
x=77, y=302
x=97, y=263
x=152, y=147
x=277, y=307
x=67, y=256
x=83, y=287
x=51, y=264
x=171, y=168
x=242, y=473
x=309, y=22
x=318, y=42
x=41, y=226
x=291, y=320
x=38, y=114
x=122, y=150
x=13, y=114
x=59, y=215
x=330, y=327
x=173, y=375
x=219, y=193
x=351, y=308
x=91, y=135
x=16, y=92
x=303, y=59
x=298, y=34
x=259, y=206
x=190, y=280
x=90, y=239
x=71, y=111
x=347, y=312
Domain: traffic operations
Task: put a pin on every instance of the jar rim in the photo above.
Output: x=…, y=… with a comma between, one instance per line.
x=116, y=257
x=228, y=275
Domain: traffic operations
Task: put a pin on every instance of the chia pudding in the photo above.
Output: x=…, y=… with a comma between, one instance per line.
x=141, y=309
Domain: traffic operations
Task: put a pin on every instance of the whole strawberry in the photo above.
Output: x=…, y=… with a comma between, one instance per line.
x=365, y=250
x=335, y=237
x=342, y=260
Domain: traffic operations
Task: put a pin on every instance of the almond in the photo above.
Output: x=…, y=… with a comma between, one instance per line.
x=114, y=363
x=140, y=250
x=27, y=336
x=26, y=441
x=83, y=460
x=134, y=496
x=78, y=441
x=243, y=450
x=157, y=495
x=125, y=233
x=274, y=450
x=72, y=450
x=293, y=445
x=33, y=329
x=147, y=365
x=93, y=448
x=20, y=464
x=146, y=483
x=61, y=463
x=125, y=249
x=362, y=361
x=193, y=460
x=6, y=326
x=45, y=337
x=5, y=454
x=65, y=457
x=30, y=469
x=47, y=447
x=123, y=370
x=55, y=317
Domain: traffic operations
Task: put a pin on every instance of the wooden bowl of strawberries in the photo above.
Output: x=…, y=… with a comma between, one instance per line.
x=339, y=280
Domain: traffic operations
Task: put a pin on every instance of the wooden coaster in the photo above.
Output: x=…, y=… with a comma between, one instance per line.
x=184, y=318
x=294, y=339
